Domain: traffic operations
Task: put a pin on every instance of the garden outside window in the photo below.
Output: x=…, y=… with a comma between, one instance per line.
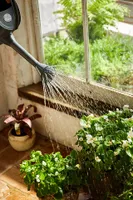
x=72, y=50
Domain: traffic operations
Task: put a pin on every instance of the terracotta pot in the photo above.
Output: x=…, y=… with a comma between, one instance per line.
x=21, y=143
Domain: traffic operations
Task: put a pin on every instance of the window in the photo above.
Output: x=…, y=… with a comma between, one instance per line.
x=62, y=36
x=110, y=52
x=65, y=50
x=111, y=44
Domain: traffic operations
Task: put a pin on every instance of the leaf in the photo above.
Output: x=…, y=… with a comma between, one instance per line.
x=27, y=130
x=42, y=176
x=117, y=151
x=59, y=195
x=20, y=107
x=129, y=152
x=17, y=126
x=83, y=123
x=33, y=117
x=27, y=121
x=12, y=112
x=73, y=154
x=100, y=150
x=9, y=120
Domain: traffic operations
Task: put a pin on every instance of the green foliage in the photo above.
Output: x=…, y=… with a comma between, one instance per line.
x=51, y=174
x=104, y=162
x=71, y=16
x=111, y=60
x=66, y=55
x=107, y=153
x=100, y=14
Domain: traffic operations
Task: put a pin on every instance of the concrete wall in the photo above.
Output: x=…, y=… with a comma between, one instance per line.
x=56, y=125
x=3, y=98
x=14, y=70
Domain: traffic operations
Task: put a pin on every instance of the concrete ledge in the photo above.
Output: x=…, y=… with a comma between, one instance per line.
x=80, y=104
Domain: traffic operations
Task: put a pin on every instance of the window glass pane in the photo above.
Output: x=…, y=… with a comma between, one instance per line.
x=111, y=43
x=62, y=33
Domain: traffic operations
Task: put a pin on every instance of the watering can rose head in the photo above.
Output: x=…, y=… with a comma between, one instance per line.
x=20, y=118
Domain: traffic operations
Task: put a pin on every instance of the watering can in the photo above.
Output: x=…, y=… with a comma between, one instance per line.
x=10, y=19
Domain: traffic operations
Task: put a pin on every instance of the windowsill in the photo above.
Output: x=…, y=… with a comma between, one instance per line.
x=94, y=98
x=35, y=93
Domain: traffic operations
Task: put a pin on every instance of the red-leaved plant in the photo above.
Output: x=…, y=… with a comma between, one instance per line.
x=20, y=119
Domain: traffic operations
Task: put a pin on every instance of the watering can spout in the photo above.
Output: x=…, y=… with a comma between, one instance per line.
x=9, y=21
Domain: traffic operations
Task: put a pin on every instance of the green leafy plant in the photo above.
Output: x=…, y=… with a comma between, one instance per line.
x=111, y=60
x=106, y=155
x=21, y=121
x=100, y=14
x=51, y=174
x=66, y=55
x=104, y=162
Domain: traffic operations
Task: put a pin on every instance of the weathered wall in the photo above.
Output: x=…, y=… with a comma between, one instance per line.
x=14, y=70
x=3, y=99
x=18, y=72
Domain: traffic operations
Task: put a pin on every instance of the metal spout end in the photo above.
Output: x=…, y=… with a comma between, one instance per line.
x=47, y=72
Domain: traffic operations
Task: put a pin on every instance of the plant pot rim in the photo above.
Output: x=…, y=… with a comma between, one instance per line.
x=21, y=143
x=20, y=137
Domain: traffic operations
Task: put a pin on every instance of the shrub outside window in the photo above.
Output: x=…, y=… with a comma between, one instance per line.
x=110, y=49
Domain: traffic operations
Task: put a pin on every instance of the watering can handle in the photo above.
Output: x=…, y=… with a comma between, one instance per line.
x=11, y=7
x=47, y=72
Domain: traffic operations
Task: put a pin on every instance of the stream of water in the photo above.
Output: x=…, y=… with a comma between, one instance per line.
x=59, y=92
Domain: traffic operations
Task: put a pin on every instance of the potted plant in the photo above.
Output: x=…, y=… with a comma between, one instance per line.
x=21, y=135
x=51, y=175
x=106, y=155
